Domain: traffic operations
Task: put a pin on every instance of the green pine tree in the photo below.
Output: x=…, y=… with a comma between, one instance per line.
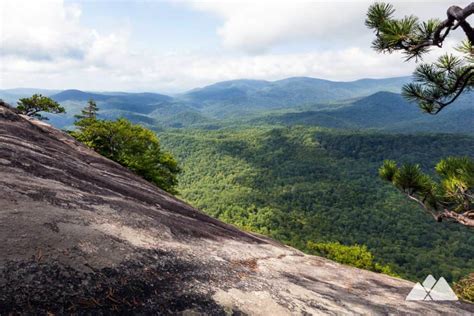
x=88, y=114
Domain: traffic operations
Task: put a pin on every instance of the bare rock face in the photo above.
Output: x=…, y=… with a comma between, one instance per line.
x=81, y=234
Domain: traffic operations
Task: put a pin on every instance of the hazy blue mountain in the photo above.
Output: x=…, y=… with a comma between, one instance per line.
x=77, y=95
x=134, y=102
x=310, y=90
x=129, y=115
x=222, y=100
x=378, y=110
x=186, y=119
x=149, y=109
x=241, y=96
x=12, y=95
x=384, y=111
x=215, y=89
x=360, y=104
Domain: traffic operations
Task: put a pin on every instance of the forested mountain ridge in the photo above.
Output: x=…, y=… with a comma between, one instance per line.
x=149, y=109
x=292, y=101
x=308, y=184
x=384, y=111
x=239, y=97
x=220, y=100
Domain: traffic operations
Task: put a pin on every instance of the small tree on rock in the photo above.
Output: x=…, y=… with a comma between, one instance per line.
x=132, y=146
x=37, y=103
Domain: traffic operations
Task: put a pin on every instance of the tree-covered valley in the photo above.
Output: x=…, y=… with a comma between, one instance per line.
x=310, y=184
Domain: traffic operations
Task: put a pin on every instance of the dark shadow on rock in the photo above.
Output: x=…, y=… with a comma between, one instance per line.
x=157, y=282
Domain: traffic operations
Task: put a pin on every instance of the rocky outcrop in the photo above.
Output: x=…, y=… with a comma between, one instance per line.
x=81, y=234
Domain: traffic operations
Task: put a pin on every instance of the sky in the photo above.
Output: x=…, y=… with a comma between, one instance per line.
x=172, y=46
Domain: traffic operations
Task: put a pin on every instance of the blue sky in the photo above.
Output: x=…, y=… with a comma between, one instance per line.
x=171, y=46
x=158, y=25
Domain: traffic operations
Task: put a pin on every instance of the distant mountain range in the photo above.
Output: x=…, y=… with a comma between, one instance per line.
x=242, y=96
x=12, y=95
x=360, y=104
x=384, y=111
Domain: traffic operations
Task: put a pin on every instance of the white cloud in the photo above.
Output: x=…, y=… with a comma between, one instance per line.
x=43, y=44
x=50, y=31
x=43, y=41
x=42, y=30
x=180, y=72
x=257, y=26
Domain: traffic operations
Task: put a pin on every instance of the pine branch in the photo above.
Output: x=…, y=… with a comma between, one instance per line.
x=435, y=104
x=412, y=37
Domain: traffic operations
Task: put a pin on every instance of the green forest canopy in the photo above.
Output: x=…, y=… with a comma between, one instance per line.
x=308, y=184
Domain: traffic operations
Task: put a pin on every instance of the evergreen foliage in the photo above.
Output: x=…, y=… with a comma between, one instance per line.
x=452, y=197
x=88, y=114
x=37, y=103
x=132, y=146
x=439, y=84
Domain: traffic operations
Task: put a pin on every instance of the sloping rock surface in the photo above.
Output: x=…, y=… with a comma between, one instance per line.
x=81, y=234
